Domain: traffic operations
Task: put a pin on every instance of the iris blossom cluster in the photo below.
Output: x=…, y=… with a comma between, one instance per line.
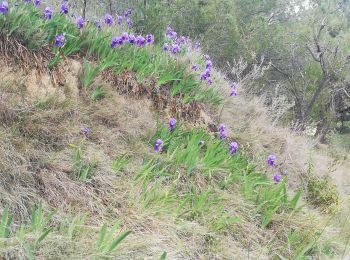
x=4, y=8
x=206, y=75
x=139, y=41
x=125, y=17
x=271, y=161
x=175, y=43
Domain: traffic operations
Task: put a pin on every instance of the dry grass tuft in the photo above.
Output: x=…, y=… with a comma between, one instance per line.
x=39, y=137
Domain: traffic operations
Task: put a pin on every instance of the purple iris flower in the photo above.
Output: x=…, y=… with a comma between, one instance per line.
x=64, y=8
x=208, y=64
x=140, y=41
x=222, y=127
x=233, y=148
x=98, y=24
x=85, y=131
x=129, y=22
x=132, y=39
x=149, y=39
x=222, y=131
x=194, y=67
x=206, y=57
x=127, y=13
x=170, y=33
x=210, y=82
x=277, y=177
x=48, y=13
x=183, y=40
x=4, y=8
x=203, y=76
x=116, y=41
x=80, y=22
x=233, y=92
x=169, y=30
x=208, y=73
x=197, y=45
x=125, y=36
x=223, y=134
x=37, y=2
x=166, y=47
x=271, y=159
x=120, y=19
x=108, y=19
x=175, y=49
x=59, y=40
x=172, y=124
x=158, y=146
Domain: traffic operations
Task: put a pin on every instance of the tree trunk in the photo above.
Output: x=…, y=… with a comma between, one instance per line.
x=84, y=9
x=110, y=7
x=315, y=96
x=144, y=10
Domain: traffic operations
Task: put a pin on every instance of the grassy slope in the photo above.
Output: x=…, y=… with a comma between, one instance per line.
x=191, y=202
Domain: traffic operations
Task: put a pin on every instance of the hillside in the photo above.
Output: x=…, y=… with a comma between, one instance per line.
x=93, y=164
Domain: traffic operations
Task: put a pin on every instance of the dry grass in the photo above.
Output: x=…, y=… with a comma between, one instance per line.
x=250, y=124
x=36, y=165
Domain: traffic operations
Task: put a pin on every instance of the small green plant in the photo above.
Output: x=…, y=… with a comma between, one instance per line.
x=106, y=242
x=98, y=94
x=77, y=222
x=38, y=226
x=5, y=223
x=302, y=242
x=83, y=170
x=38, y=220
x=121, y=162
x=196, y=204
x=163, y=256
x=89, y=73
x=31, y=248
x=322, y=193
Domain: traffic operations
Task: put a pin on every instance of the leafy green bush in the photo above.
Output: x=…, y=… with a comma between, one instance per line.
x=25, y=23
x=322, y=193
x=177, y=173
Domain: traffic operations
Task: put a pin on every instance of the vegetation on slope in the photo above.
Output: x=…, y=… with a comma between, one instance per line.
x=70, y=165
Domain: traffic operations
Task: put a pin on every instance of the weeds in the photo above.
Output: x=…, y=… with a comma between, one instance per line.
x=83, y=170
x=106, y=243
x=97, y=94
x=6, y=221
x=121, y=162
x=322, y=193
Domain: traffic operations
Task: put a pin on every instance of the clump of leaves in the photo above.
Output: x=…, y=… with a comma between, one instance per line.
x=106, y=242
x=322, y=193
x=5, y=223
x=98, y=94
x=83, y=169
